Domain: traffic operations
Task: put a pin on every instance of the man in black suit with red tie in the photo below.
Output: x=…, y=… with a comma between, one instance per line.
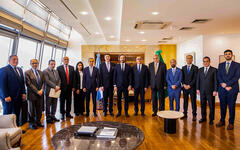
x=66, y=73
x=140, y=84
x=190, y=72
x=106, y=78
x=122, y=83
x=158, y=83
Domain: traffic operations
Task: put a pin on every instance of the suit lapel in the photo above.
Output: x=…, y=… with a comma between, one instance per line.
x=16, y=74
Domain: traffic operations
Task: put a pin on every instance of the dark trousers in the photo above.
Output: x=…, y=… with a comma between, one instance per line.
x=227, y=99
x=13, y=107
x=50, y=107
x=35, y=110
x=211, y=102
x=192, y=93
x=155, y=99
x=79, y=102
x=94, y=94
x=108, y=94
x=123, y=90
x=66, y=99
x=137, y=92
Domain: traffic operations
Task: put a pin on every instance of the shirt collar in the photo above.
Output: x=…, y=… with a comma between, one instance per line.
x=229, y=62
x=189, y=65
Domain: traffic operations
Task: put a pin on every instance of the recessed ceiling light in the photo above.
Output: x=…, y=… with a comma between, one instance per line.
x=108, y=18
x=112, y=36
x=155, y=13
x=127, y=40
x=97, y=33
x=141, y=32
x=83, y=13
x=144, y=40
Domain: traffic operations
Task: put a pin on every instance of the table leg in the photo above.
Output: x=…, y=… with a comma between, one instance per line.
x=170, y=125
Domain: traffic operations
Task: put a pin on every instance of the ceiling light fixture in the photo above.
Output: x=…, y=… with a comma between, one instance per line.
x=108, y=18
x=141, y=32
x=112, y=36
x=97, y=33
x=144, y=40
x=127, y=40
x=155, y=13
x=84, y=13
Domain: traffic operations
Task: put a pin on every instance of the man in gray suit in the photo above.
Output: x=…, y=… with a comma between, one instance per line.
x=52, y=80
x=35, y=87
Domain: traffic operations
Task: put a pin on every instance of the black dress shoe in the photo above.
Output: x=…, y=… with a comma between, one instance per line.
x=220, y=124
x=23, y=131
x=202, y=120
x=127, y=115
x=211, y=122
x=104, y=114
x=39, y=124
x=31, y=126
x=194, y=118
x=69, y=116
x=142, y=114
x=95, y=115
x=77, y=114
x=111, y=114
x=50, y=121
x=55, y=119
x=87, y=114
x=118, y=115
x=135, y=114
x=154, y=114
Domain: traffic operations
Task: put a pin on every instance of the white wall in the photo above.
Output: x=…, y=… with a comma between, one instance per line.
x=74, y=51
x=193, y=45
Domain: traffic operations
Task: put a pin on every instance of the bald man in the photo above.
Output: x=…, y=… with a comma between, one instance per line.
x=174, y=79
x=66, y=73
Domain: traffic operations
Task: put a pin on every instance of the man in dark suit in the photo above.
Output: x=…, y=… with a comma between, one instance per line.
x=140, y=84
x=174, y=79
x=52, y=81
x=228, y=76
x=122, y=80
x=12, y=88
x=91, y=82
x=106, y=78
x=66, y=73
x=207, y=89
x=189, y=86
x=35, y=86
x=158, y=83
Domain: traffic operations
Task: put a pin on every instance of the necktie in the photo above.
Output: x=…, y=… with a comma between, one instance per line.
x=139, y=69
x=205, y=71
x=15, y=69
x=173, y=71
x=90, y=70
x=108, y=66
x=188, y=69
x=122, y=67
x=227, y=67
x=67, y=74
x=155, y=68
x=53, y=74
x=38, y=80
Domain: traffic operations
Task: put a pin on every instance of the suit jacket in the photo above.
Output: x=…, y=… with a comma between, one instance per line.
x=140, y=79
x=207, y=83
x=32, y=85
x=63, y=76
x=91, y=82
x=51, y=81
x=122, y=78
x=106, y=77
x=231, y=79
x=159, y=80
x=191, y=77
x=11, y=84
x=174, y=80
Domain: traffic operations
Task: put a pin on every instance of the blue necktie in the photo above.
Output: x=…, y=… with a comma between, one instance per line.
x=38, y=80
x=188, y=69
x=139, y=68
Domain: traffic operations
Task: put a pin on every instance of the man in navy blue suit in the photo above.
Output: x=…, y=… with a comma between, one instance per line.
x=122, y=80
x=228, y=76
x=106, y=76
x=174, y=79
x=12, y=88
x=91, y=82
x=140, y=84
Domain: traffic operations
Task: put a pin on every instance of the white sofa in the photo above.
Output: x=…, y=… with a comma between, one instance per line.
x=5, y=142
x=8, y=125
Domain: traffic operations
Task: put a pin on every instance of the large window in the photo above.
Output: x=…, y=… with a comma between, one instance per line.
x=47, y=55
x=6, y=47
x=58, y=56
x=26, y=52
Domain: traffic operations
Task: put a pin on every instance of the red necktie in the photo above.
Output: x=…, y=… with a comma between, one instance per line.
x=67, y=74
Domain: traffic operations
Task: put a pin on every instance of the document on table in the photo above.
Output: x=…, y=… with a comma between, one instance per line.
x=54, y=94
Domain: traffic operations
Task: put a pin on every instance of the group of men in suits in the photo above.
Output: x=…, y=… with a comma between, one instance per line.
x=121, y=78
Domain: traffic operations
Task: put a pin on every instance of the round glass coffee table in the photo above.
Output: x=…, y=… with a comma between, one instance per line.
x=170, y=118
x=128, y=137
